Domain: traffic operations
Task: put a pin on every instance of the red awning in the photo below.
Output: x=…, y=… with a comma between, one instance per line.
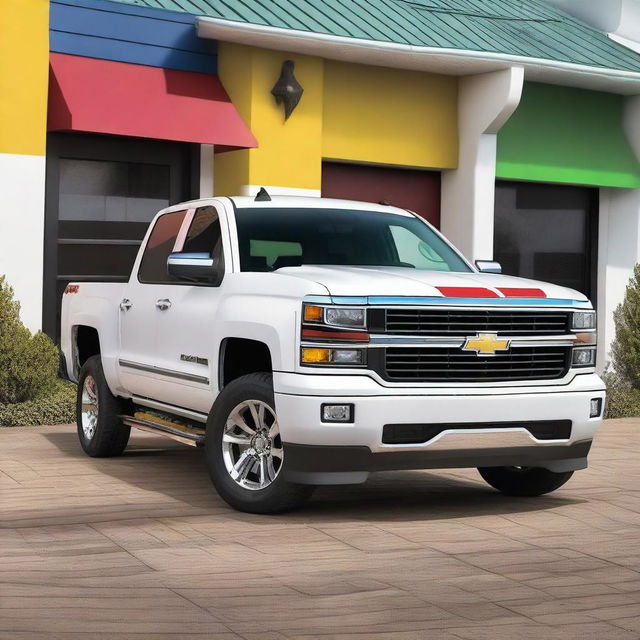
x=101, y=96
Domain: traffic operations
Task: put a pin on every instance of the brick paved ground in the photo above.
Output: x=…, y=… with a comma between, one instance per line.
x=141, y=547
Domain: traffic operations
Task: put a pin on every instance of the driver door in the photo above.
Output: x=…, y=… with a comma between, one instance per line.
x=189, y=332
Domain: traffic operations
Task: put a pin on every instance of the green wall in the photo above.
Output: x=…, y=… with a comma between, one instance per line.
x=573, y=136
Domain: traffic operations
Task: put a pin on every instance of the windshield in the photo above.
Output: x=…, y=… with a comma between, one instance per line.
x=274, y=238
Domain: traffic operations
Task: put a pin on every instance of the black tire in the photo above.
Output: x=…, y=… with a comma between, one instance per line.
x=524, y=481
x=276, y=497
x=109, y=436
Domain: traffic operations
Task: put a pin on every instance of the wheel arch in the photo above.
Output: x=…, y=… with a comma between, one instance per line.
x=240, y=356
x=86, y=343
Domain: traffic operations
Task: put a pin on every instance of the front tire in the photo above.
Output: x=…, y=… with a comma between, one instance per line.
x=524, y=481
x=245, y=455
x=98, y=411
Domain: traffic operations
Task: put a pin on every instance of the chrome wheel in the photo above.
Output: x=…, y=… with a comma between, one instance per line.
x=89, y=407
x=251, y=445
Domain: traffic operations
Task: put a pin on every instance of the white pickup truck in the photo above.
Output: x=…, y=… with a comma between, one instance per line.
x=307, y=341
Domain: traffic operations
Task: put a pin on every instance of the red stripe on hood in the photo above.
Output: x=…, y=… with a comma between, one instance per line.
x=467, y=292
x=522, y=293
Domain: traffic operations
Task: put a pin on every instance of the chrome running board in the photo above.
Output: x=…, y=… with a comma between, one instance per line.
x=165, y=427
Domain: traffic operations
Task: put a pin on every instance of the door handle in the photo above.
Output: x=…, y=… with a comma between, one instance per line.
x=126, y=304
x=163, y=304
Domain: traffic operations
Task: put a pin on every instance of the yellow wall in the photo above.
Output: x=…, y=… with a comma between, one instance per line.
x=289, y=152
x=348, y=112
x=390, y=116
x=24, y=68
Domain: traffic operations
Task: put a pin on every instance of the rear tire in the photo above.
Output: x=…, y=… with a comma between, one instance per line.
x=245, y=455
x=98, y=411
x=524, y=481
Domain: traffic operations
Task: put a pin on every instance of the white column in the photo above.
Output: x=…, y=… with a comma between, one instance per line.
x=22, y=231
x=206, y=170
x=485, y=103
x=618, y=240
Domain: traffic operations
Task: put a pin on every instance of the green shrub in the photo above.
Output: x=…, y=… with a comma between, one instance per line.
x=625, y=350
x=28, y=363
x=57, y=406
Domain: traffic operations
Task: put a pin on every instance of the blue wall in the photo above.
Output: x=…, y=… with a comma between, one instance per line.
x=127, y=33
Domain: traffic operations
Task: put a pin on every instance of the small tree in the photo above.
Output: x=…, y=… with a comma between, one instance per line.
x=28, y=363
x=625, y=350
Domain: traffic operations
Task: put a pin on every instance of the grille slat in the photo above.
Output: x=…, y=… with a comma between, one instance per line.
x=444, y=322
x=432, y=364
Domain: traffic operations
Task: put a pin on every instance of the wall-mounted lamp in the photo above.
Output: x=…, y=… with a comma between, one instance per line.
x=287, y=90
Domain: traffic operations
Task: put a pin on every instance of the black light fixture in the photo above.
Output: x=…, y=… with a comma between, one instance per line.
x=287, y=90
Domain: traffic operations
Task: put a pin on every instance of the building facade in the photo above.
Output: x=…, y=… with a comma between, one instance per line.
x=514, y=129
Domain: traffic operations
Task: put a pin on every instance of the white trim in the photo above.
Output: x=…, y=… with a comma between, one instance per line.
x=625, y=42
x=485, y=103
x=206, y=170
x=392, y=54
x=604, y=313
x=252, y=190
x=618, y=240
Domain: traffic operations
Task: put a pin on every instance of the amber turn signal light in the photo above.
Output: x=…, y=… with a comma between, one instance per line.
x=586, y=338
x=313, y=313
x=316, y=356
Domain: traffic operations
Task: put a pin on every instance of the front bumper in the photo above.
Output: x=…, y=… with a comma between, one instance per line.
x=324, y=453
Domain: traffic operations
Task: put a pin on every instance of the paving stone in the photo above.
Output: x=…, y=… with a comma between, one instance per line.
x=140, y=547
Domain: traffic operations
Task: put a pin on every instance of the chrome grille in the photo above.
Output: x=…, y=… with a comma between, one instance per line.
x=449, y=322
x=435, y=364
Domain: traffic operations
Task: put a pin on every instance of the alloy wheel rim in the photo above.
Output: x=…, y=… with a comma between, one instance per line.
x=89, y=407
x=251, y=445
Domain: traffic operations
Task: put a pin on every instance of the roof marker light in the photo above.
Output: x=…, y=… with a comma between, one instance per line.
x=262, y=196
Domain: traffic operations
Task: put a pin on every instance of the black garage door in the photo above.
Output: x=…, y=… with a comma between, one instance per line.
x=548, y=232
x=102, y=192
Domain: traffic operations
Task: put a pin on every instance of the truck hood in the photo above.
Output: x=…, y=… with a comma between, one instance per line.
x=399, y=281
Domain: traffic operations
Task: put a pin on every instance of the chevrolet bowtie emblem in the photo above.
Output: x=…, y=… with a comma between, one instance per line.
x=486, y=344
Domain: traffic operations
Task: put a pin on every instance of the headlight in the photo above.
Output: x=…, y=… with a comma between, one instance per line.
x=339, y=317
x=583, y=357
x=346, y=317
x=582, y=320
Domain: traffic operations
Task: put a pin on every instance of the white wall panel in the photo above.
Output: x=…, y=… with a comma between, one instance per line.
x=22, y=179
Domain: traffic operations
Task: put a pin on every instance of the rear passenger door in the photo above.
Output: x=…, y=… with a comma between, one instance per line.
x=141, y=307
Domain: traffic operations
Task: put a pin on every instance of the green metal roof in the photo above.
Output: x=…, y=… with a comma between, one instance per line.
x=529, y=28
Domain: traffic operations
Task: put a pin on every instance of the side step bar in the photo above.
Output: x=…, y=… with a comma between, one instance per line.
x=176, y=431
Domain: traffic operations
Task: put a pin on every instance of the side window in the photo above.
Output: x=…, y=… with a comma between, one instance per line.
x=205, y=234
x=414, y=251
x=153, y=267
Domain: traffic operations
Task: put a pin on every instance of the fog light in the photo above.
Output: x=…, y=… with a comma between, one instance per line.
x=595, y=407
x=346, y=356
x=583, y=357
x=337, y=413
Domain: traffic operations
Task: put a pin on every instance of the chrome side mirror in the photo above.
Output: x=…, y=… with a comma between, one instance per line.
x=488, y=266
x=195, y=267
